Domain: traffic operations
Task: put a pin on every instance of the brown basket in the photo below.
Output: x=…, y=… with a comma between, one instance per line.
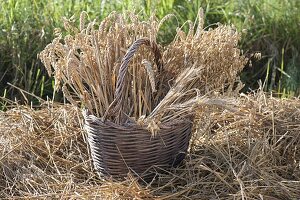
x=117, y=149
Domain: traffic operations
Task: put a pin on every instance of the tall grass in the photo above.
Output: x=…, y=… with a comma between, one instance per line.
x=272, y=28
x=268, y=26
x=25, y=29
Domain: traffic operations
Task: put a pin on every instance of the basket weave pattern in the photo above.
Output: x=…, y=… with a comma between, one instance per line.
x=116, y=149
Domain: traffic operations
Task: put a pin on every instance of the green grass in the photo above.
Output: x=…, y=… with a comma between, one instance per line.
x=272, y=27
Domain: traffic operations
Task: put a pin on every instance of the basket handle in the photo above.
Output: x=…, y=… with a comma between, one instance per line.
x=116, y=105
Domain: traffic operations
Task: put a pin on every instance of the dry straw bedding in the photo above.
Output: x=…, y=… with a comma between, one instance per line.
x=250, y=151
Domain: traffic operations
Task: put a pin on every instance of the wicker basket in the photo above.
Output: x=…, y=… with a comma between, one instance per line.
x=119, y=148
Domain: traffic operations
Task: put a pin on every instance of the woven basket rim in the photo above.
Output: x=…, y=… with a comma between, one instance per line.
x=131, y=123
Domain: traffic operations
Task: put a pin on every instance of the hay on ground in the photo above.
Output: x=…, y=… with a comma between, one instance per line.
x=248, y=152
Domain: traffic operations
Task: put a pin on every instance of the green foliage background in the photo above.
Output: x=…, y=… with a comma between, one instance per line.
x=268, y=26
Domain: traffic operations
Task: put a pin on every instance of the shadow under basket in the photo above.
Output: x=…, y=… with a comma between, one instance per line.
x=117, y=150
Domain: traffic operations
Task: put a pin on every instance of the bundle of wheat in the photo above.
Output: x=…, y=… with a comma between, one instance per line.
x=86, y=63
x=131, y=86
